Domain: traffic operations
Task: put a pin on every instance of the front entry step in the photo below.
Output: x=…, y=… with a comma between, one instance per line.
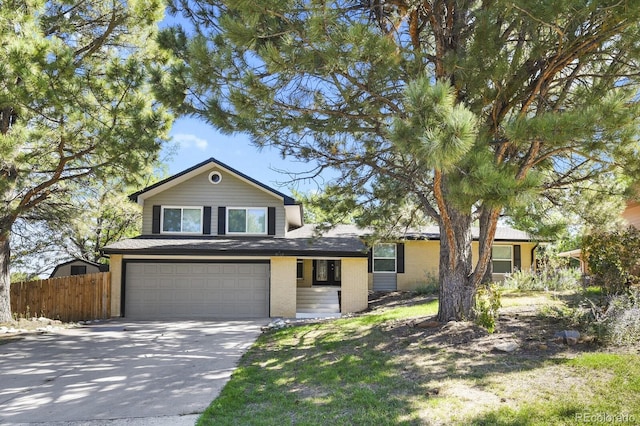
x=317, y=302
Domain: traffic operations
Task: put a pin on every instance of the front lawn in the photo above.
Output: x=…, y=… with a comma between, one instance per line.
x=380, y=368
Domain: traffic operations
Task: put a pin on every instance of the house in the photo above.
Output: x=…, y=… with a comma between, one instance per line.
x=216, y=243
x=631, y=213
x=77, y=267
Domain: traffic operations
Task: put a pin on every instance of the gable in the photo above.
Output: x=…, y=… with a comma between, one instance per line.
x=199, y=191
x=206, y=166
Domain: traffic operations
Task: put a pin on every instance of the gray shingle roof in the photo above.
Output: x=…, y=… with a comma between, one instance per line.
x=238, y=246
x=342, y=240
x=503, y=233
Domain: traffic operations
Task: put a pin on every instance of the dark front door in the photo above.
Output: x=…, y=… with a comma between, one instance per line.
x=327, y=272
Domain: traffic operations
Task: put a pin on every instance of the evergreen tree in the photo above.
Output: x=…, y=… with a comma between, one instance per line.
x=74, y=105
x=462, y=107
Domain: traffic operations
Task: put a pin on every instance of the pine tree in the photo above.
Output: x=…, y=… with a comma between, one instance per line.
x=75, y=104
x=464, y=108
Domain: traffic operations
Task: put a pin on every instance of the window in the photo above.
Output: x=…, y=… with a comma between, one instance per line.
x=384, y=258
x=182, y=220
x=501, y=259
x=300, y=269
x=246, y=220
x=215, y=177
x=78, y=270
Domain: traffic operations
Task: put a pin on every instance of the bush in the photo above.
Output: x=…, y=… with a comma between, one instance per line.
x=431, y=285
x=613, y=259
x=619, y=324
x=487, y=305
x=544, y=279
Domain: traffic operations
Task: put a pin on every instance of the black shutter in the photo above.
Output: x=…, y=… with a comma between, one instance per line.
x=206, y=220
x=400, y=258
x=155, y=223
x=517, y=258
x=271, y=220
x=370, y=264
x=222, y=220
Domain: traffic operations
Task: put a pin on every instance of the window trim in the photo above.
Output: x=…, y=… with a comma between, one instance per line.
x=374, y=257
x=182, y=208
x=299, y=269
x=510, y=260
x=266, y=220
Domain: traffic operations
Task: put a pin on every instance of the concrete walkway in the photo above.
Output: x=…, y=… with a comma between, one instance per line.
x=121, y=373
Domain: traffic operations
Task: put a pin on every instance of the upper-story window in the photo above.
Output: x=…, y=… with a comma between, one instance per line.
x=182, y=220
x=502, y=259
x=384, y=258
x=246, y=220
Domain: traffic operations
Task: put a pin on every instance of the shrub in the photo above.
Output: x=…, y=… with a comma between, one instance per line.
x=431, y=285
x=487, y=305
x=544, y=279
x=619, y=324
x=613, y=259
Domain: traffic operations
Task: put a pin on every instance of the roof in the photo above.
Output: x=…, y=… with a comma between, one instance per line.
x=101, y=267
x=185, y=174
x=425, y=233
x=240, y=246
x=341, y=240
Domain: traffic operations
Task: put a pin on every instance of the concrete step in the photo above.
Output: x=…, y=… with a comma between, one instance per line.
x=318, y=315
x=317, y=301
x=317, y=308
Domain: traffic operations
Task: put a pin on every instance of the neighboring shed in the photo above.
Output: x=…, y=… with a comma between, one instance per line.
x=78, y=267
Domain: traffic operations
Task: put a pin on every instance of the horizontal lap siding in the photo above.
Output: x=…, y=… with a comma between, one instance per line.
x=198, y=191
x=384, y=282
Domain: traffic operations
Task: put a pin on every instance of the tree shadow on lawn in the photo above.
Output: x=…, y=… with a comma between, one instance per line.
x=352, y=372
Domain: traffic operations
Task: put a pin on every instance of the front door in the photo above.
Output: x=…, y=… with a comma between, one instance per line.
x=327, y=272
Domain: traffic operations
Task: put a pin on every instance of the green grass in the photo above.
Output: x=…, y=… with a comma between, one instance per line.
x=608, y=390
x=354, y=371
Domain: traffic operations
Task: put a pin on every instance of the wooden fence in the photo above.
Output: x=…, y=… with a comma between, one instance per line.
x=73, y=298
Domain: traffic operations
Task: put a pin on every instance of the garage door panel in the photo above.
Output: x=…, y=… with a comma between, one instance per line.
x=196, y=290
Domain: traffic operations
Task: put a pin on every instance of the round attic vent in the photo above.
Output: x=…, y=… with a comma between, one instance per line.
x=215, y=177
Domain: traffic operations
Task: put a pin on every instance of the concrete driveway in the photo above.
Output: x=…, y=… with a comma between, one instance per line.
x=120, y=372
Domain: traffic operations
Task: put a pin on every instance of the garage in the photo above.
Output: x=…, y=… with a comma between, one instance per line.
x=158, y=290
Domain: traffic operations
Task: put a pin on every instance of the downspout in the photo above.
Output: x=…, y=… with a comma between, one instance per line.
x=533, y=260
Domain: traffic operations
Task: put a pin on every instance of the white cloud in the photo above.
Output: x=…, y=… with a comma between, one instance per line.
x=187, y=141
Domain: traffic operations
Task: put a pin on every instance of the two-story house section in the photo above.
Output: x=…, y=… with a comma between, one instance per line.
x=216, y=243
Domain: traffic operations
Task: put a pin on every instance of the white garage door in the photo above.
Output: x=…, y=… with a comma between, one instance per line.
x=196, y=290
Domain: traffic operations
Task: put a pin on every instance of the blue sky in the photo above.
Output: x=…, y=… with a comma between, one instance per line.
x=195, y=141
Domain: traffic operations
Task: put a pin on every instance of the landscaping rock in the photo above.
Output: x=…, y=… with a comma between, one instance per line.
x=506, y=347
x=277, y=324
x=568, y=337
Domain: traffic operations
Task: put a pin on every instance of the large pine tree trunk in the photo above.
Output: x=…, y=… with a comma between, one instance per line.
x=5, y=279
x=457, y=290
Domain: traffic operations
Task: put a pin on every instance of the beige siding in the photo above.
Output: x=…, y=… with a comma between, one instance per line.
x=421, y=258
x=307, y=270
x=354, y=285
x=283, y=287
x=230, y=192
x=632, y=214
x=115, y=266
